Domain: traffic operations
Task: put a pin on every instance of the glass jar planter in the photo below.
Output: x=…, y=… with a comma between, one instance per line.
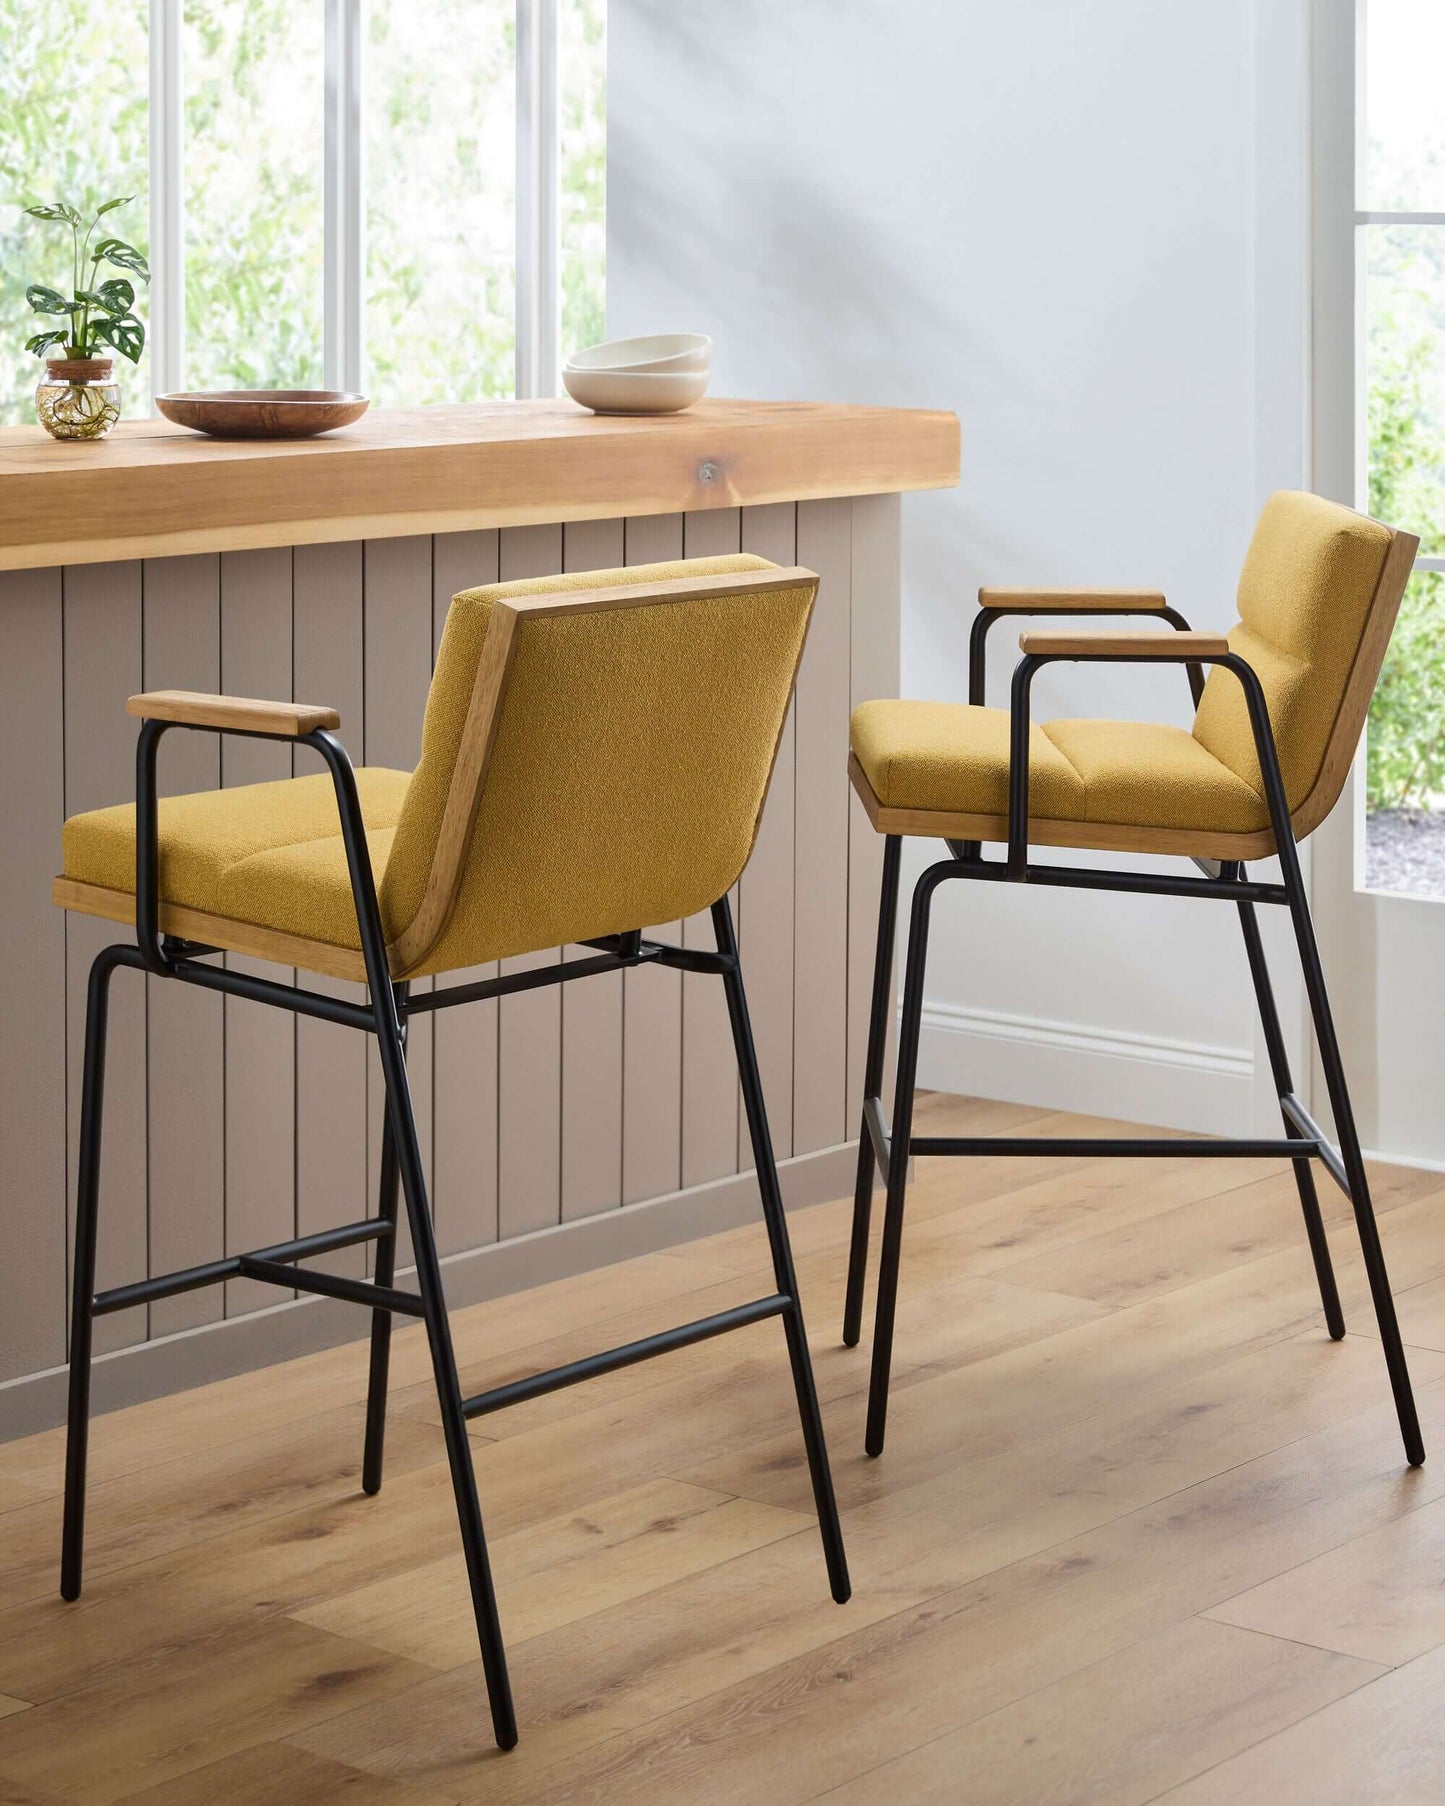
x=76, y=398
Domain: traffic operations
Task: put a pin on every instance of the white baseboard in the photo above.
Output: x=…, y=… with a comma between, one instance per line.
x=1100, y=1072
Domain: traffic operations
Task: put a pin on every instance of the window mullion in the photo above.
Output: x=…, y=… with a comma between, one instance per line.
x=344, y=351
x=167, y=203
x=538, y=284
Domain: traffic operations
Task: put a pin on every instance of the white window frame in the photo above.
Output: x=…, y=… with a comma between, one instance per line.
x=538, y=212
x=1341, y=443
x=1340, y=415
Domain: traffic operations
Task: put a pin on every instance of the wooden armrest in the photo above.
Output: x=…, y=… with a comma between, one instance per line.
x=1125, y=645
x=290, y=719
x=1067, y=601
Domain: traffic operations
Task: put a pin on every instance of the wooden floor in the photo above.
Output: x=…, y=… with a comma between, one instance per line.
x=1141, y=1533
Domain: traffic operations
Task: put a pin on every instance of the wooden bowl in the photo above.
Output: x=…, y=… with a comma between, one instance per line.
x=263, y=413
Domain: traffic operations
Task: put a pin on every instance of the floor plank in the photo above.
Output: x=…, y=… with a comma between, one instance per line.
x=558, y=1571
x=1123, y=1730
x=179, y=1503
x=1380, y=1596
x=1384, y=1743
x=129, y=1730
x=270, y=1774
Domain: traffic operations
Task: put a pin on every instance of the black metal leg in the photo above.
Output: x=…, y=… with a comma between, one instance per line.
x=92, y=1102
x=388, y=1203
x=1283, y=1084
x=872, y=1088
x=784, y=1275
x=444, y=1367
x=1354, y=1163
x=902, y=1130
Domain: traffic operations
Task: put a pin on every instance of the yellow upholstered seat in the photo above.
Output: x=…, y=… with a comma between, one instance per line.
x=585, y=769
x=1315, y=610
x=947, y=756
x=267, y=854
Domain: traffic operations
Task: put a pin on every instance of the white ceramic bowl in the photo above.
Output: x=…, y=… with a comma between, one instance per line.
x=661, y=352
x=635, y=391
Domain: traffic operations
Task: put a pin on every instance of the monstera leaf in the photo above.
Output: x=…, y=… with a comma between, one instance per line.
x=50, y=301
x=115, y=297
x=56, y=211
x=126, y=334
x=122, y=255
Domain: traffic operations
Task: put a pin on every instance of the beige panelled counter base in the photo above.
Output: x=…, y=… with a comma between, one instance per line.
x=322, y=570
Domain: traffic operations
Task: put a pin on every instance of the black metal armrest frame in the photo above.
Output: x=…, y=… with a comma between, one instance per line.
x=1017, y=863
x=167, y=958
x=985, y=618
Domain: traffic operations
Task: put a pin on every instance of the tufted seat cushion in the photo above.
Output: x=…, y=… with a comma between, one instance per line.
x=268, y=854
x=953, y=759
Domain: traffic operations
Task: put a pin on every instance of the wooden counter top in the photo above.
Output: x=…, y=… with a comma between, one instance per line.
x=154, y=489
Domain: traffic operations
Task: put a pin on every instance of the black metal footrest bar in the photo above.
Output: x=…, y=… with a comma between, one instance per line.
x=625, y=1356
x=1310, y=1131
x=1104, y=1147
x=1166, y=884
x=618, y=953
x=332, y=1285
x=533, y=979
x=212, y=1272
x=878, y=1135
x=1313, y=1144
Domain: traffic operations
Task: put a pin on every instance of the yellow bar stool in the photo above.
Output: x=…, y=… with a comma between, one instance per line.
x=1275, y=729
x=595, y=756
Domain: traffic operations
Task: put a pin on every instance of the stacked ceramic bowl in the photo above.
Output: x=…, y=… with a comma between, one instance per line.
x=657, y=375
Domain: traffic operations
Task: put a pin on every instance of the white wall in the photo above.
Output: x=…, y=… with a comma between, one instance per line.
x=1077, y=223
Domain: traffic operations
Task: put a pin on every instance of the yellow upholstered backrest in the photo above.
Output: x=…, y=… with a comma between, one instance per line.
x=1316, y=609
x=591, y=763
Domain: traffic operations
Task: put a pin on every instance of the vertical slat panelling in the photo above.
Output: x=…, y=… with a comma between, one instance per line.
x=709, y=1069
x=874, y=612
x=592, y=1007
x=103, y=668
x=529, y=1115
x=398, y=660
x=765, y=907
x=652, y=997
x=330, y=1060
x=186, y=1032
x=464, y=1075
x=820, y=966
x=260, y=1042
x=32, y=949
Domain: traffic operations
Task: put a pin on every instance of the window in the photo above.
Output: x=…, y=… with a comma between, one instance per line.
x=1400, y=227
x=72, y=121
x=365, y=193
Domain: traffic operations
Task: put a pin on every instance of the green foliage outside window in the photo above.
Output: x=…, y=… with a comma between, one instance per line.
x=1405, y=766
x=254, y=113
x=73, y=109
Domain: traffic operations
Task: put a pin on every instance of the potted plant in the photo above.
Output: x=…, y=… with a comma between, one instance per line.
x=76, y=399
